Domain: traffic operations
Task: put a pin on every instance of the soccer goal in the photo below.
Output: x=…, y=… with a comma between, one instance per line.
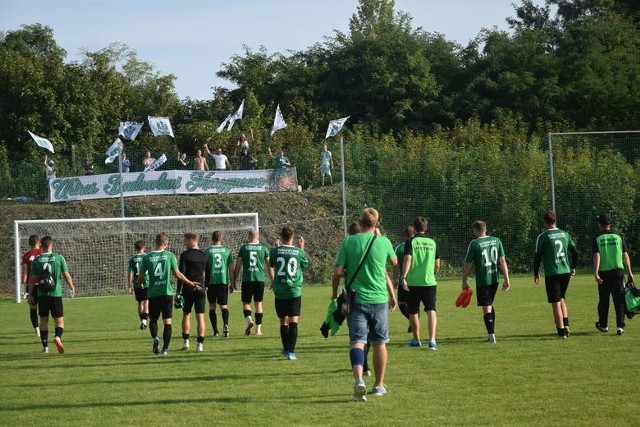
x=97, y=250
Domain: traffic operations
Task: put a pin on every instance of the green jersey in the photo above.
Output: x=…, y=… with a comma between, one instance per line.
x=370, y=284
x=553, y=246
x=288, y=262
x=484, y=253
x=611, y=247
x=221, y=259
x=56, y=265
x=254, y=266
x=424, y=253
x=135, y=264
x=159, y=265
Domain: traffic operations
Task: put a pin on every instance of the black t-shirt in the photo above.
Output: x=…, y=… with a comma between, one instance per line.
x=195, y=265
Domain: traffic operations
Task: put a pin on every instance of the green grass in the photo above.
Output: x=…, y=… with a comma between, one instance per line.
x=108, y=375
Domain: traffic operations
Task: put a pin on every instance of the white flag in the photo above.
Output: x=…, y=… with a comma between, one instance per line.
x=236, y=116
x=156, y=164
x=160, y=126
x=129, y=130
x=335, y=126
x=278, y=121
x=42, y=142
x=223, y=124
x=113, y=151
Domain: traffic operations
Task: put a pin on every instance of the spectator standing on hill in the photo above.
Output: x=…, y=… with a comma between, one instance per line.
x=183, y=162
x=420, y=266
x=280, y=161
x=247, y=161
x=200, y=162
x=126, y=164
x=220, y=160
x=51, y=268
x=326, y=164
x=485, y=255
x=27, y=260
x=148, y=159
x=286, y=263
x=369, y=315
x=252, y=259
x=552, y=249
x=610, y=257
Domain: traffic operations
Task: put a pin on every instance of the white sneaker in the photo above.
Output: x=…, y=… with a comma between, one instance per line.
x=185, y=345
x=45, y=350
x=37, y=331
x=200, y=347
x=360, y=391
x=491, y=339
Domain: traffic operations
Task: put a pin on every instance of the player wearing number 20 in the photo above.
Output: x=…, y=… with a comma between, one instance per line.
x=285, y=270
x=552, y=247
x=484, y=254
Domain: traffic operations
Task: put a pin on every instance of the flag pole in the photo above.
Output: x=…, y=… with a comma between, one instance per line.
x=121, y=184
x=344, y=195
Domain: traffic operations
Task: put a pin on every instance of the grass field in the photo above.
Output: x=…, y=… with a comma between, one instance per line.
x=108, y=375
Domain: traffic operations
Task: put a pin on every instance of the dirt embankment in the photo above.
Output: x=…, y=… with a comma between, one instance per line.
x=315, y=214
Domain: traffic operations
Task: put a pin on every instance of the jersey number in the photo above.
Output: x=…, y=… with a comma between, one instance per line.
x=159, y=271
x=559, y=249
x=217, y=263
x=490, y=257
x=291, y=266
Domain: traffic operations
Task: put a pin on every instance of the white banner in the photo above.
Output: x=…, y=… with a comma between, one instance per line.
x=278, y=121
x=129, y=130
x=335, y=126
x=107, y=186
x=160, y=126
x=42, y=142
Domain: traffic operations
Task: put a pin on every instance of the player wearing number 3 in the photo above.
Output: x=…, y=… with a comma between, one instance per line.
x=551, y=249
x=484, y=254
x=285, y=270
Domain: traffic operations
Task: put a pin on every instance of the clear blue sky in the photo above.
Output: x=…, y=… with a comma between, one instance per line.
x=191, y=38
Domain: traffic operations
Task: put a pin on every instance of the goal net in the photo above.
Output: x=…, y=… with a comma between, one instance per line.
x=97, y=250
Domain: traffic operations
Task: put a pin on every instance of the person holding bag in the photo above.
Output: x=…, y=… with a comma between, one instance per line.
x=363, y=259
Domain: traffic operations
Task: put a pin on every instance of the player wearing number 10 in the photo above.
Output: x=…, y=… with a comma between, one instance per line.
x=285, y=270
x=484, y=254
x=551, y=249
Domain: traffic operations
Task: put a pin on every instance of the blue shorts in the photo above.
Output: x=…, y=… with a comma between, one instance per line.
x=369, y=321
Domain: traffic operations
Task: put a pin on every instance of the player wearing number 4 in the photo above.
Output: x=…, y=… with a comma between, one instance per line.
x=253, y=258
x=161, y=264
x=285, y=270
x=551, y=249
x=54, y=266
x=484, y=254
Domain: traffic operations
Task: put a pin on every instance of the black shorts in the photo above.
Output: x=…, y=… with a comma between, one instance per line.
x=50, y=304
x=421, y=294
x=218, y=294
x=556, y=286
x=288, y=307
x=486, y=294
x=142, y=294
x=193, y=298
x=253, y=290
x=403, y=296
x=161, y=304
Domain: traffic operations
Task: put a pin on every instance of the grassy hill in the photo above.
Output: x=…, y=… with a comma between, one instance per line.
x=315, y=214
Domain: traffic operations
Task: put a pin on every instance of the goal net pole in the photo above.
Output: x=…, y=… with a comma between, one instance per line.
x=96, y=248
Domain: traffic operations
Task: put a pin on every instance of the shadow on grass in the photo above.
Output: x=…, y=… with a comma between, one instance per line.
x=62, y=405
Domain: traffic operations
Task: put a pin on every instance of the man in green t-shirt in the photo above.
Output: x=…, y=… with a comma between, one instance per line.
x=53, y=267
x=483, y=255
x=552, y=249
x=369, y=315
x=141, y=293
x=160, y=264
x=610, y=256
x=286, y=263
x=419, y=268
x=253, y=258
x=221, y=259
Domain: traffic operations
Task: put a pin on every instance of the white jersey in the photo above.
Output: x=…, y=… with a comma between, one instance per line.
x=220, y=160
x=325, y=158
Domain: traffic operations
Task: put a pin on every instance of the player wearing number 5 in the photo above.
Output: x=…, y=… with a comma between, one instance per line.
x=285, y=270
x=484, y=254
x=552, y=247
x=253, y=258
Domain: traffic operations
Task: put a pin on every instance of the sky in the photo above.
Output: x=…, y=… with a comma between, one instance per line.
x=192, y=38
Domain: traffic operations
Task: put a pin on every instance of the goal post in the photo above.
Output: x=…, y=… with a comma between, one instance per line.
x=97, y=250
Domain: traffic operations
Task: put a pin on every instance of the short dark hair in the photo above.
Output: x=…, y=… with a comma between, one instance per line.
x=139, y=245
x=191, y=236
x=604, y=219
x=33, y=240
x=354, y=228
x=549, y=217
x=216, y=236
x=421, y=224
x=46, y=242
x=409, y=231
x=479, y=225
x=287, y=232
x=161, y=239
